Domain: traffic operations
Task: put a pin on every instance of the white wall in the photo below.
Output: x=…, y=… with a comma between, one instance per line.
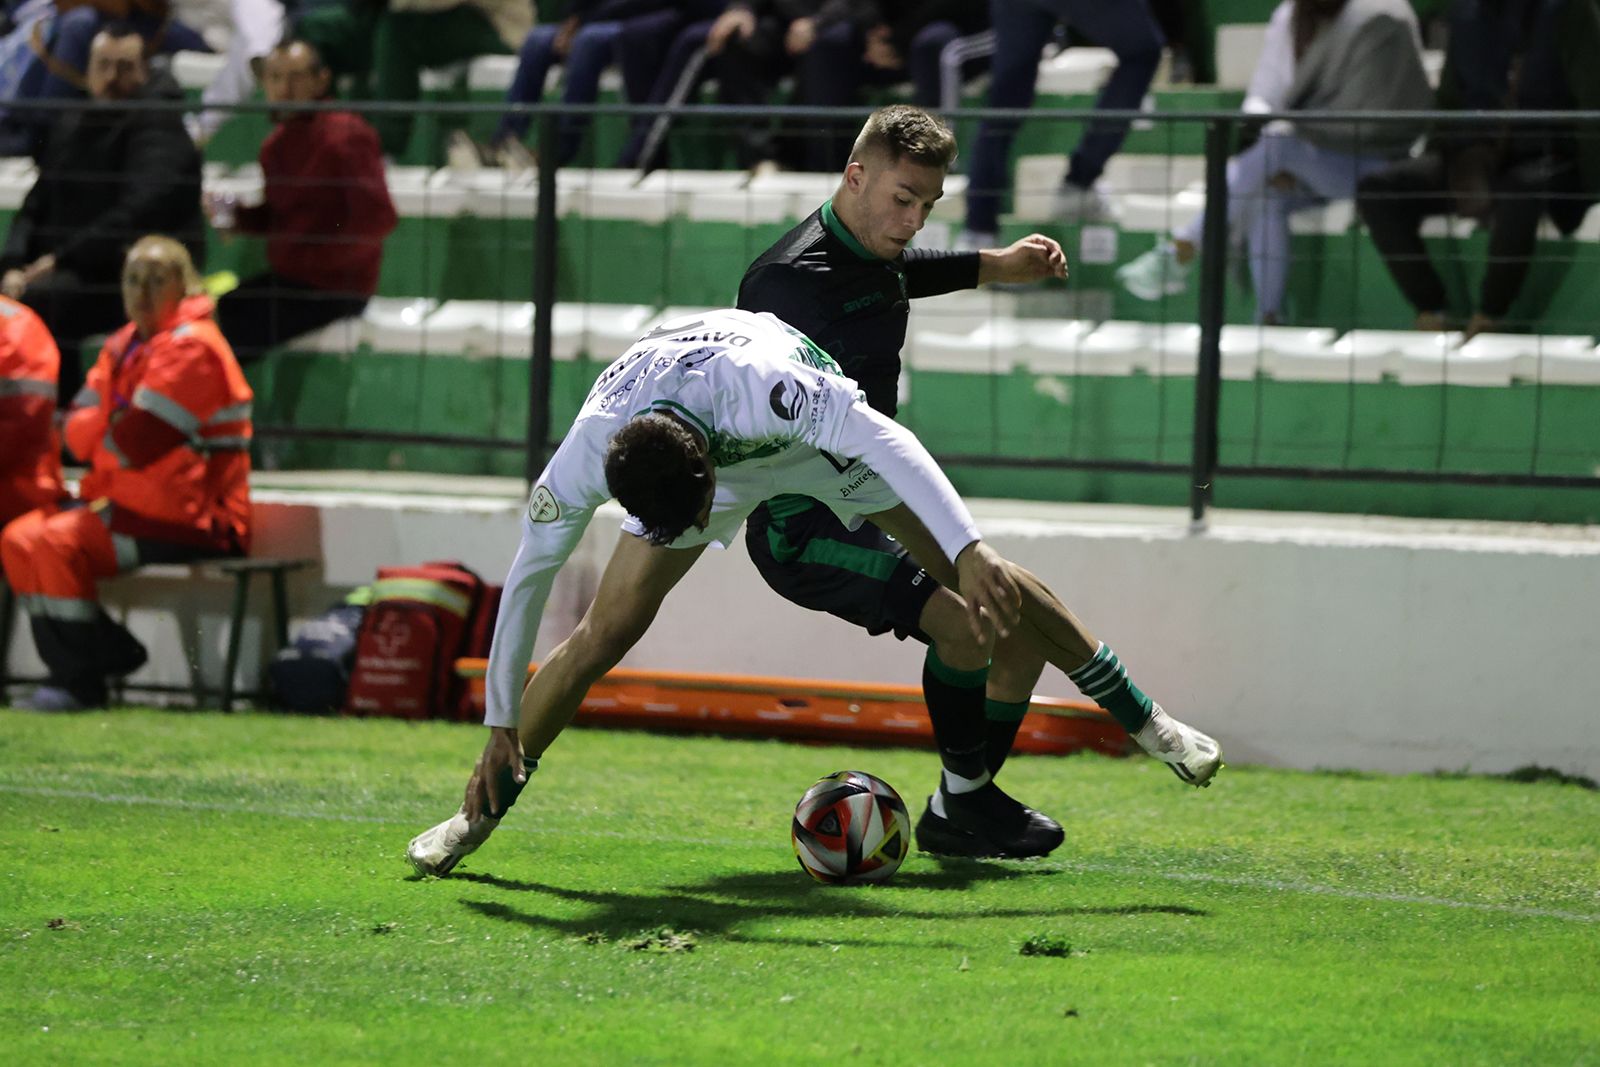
x=1302, y=641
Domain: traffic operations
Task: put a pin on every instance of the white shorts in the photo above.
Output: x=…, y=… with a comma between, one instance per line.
x=852, y=493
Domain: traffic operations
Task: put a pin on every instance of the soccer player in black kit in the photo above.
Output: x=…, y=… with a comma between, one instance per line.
x=845, y=278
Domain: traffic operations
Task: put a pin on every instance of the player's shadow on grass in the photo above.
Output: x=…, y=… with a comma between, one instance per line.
x=727, y=906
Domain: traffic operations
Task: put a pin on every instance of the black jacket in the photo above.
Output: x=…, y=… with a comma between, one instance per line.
x=109, y=175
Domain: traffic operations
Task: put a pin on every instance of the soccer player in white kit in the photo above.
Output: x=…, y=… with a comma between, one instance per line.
x=695, y=425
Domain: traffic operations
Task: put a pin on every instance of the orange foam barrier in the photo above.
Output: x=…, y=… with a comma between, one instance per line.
x=802, y=709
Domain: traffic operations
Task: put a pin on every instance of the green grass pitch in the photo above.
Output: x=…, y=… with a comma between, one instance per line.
x=198, y=888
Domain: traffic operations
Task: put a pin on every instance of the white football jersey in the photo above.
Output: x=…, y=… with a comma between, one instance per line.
x=778, y=417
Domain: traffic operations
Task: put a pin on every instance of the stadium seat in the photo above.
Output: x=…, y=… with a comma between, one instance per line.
x=1119, y=348
x=804, y=191
x=335, y=339
x=1238, y=50
x=491, y=74
x=989, y=348
x=1527, y=354
x=1247, y=350
x=196, y=70
x=394, y=324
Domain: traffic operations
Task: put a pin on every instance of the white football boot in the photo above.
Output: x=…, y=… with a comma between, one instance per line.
x=1192, y=755
x=438, y=850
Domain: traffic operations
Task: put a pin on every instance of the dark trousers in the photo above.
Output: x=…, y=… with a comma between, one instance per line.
x=637, y=49
x=1021, y=28
x=268, y=310
x=1394, y=202
x=747, y=73
x=75, y=308
x=593, y=49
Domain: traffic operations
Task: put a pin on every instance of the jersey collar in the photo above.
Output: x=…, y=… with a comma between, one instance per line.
x=837, y=228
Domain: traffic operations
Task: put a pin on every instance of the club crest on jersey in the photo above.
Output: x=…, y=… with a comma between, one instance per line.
x=542, y=506
x=787, y=399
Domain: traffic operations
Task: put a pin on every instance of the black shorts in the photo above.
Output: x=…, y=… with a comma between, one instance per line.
x=863, y=576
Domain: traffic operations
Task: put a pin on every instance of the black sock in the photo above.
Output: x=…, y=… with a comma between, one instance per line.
x=955, y=706
x=1003, y=718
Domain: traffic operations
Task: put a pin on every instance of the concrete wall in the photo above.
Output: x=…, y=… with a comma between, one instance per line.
x=1302, y=641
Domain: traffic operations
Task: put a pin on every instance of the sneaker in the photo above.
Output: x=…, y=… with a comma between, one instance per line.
x=515, y=157
x=1192, y=755
x=464, y=154
x=1075, y=204
x=438, y=850
x=1155, y=274
x=976, y=240
x=987, y=822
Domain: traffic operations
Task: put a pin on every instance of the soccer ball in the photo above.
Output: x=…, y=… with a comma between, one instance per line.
x=851, y=827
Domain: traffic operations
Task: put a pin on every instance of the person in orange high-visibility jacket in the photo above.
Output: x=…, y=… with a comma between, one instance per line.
x=30, y=451
x=163, y=423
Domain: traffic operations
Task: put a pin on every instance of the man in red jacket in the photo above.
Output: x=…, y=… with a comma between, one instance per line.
x=326, y=213
x=30, y=451
x=163, y=424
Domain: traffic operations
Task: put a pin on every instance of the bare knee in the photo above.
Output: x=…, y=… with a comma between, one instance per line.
x=1015, y=668
x=945, y=621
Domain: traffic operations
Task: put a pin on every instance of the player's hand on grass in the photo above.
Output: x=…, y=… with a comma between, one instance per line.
x=498, y=776
x=1031, y=259
x=990, y=589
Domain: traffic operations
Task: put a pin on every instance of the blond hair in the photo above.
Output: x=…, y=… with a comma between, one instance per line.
x=900, y=130
x=173, y=256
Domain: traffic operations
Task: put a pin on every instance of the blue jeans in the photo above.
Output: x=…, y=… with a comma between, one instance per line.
x=593, y=49
x=1260, y=211
x=1021, y=28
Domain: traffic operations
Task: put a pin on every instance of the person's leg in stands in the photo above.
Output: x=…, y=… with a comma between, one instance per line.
x=1021, y=29
x=1130, y=30
x=407, y=43
x=830, y=74
x=268, y=310
x=1393, y=202
x=747, y=72
x=922, y=64
x=686, y=46
x=534, y=60
x=594, y=48
x=1523, y=194
x=342, y=35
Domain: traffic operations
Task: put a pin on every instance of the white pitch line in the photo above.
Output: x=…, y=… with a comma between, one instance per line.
x=1277, y=885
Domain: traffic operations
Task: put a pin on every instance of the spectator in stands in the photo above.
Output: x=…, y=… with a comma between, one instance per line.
x=822, y=43
x=30, y=450
x=672, y=42
x=584, y=44
x=1537, y=55
x=416, y=34
x=107, y=174
x=55, y=63
x=164, y=427
x=1319, y=55
x=325, y=213
x=910, y=37
x=1021, y=28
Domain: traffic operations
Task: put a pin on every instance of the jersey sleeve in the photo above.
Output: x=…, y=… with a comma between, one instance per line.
x=896, y=454
x=930, y=272
x=559, y=509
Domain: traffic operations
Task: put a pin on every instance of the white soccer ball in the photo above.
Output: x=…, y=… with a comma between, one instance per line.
x=851, y=827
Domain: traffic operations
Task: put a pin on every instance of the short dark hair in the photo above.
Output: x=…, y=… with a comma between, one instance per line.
x=659, y=471
x=901, y=130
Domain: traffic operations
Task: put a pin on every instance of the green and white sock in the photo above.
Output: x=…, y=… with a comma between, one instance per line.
x=1105, y=681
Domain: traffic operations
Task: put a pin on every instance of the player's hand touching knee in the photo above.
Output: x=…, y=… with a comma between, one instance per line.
x=989, y=588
